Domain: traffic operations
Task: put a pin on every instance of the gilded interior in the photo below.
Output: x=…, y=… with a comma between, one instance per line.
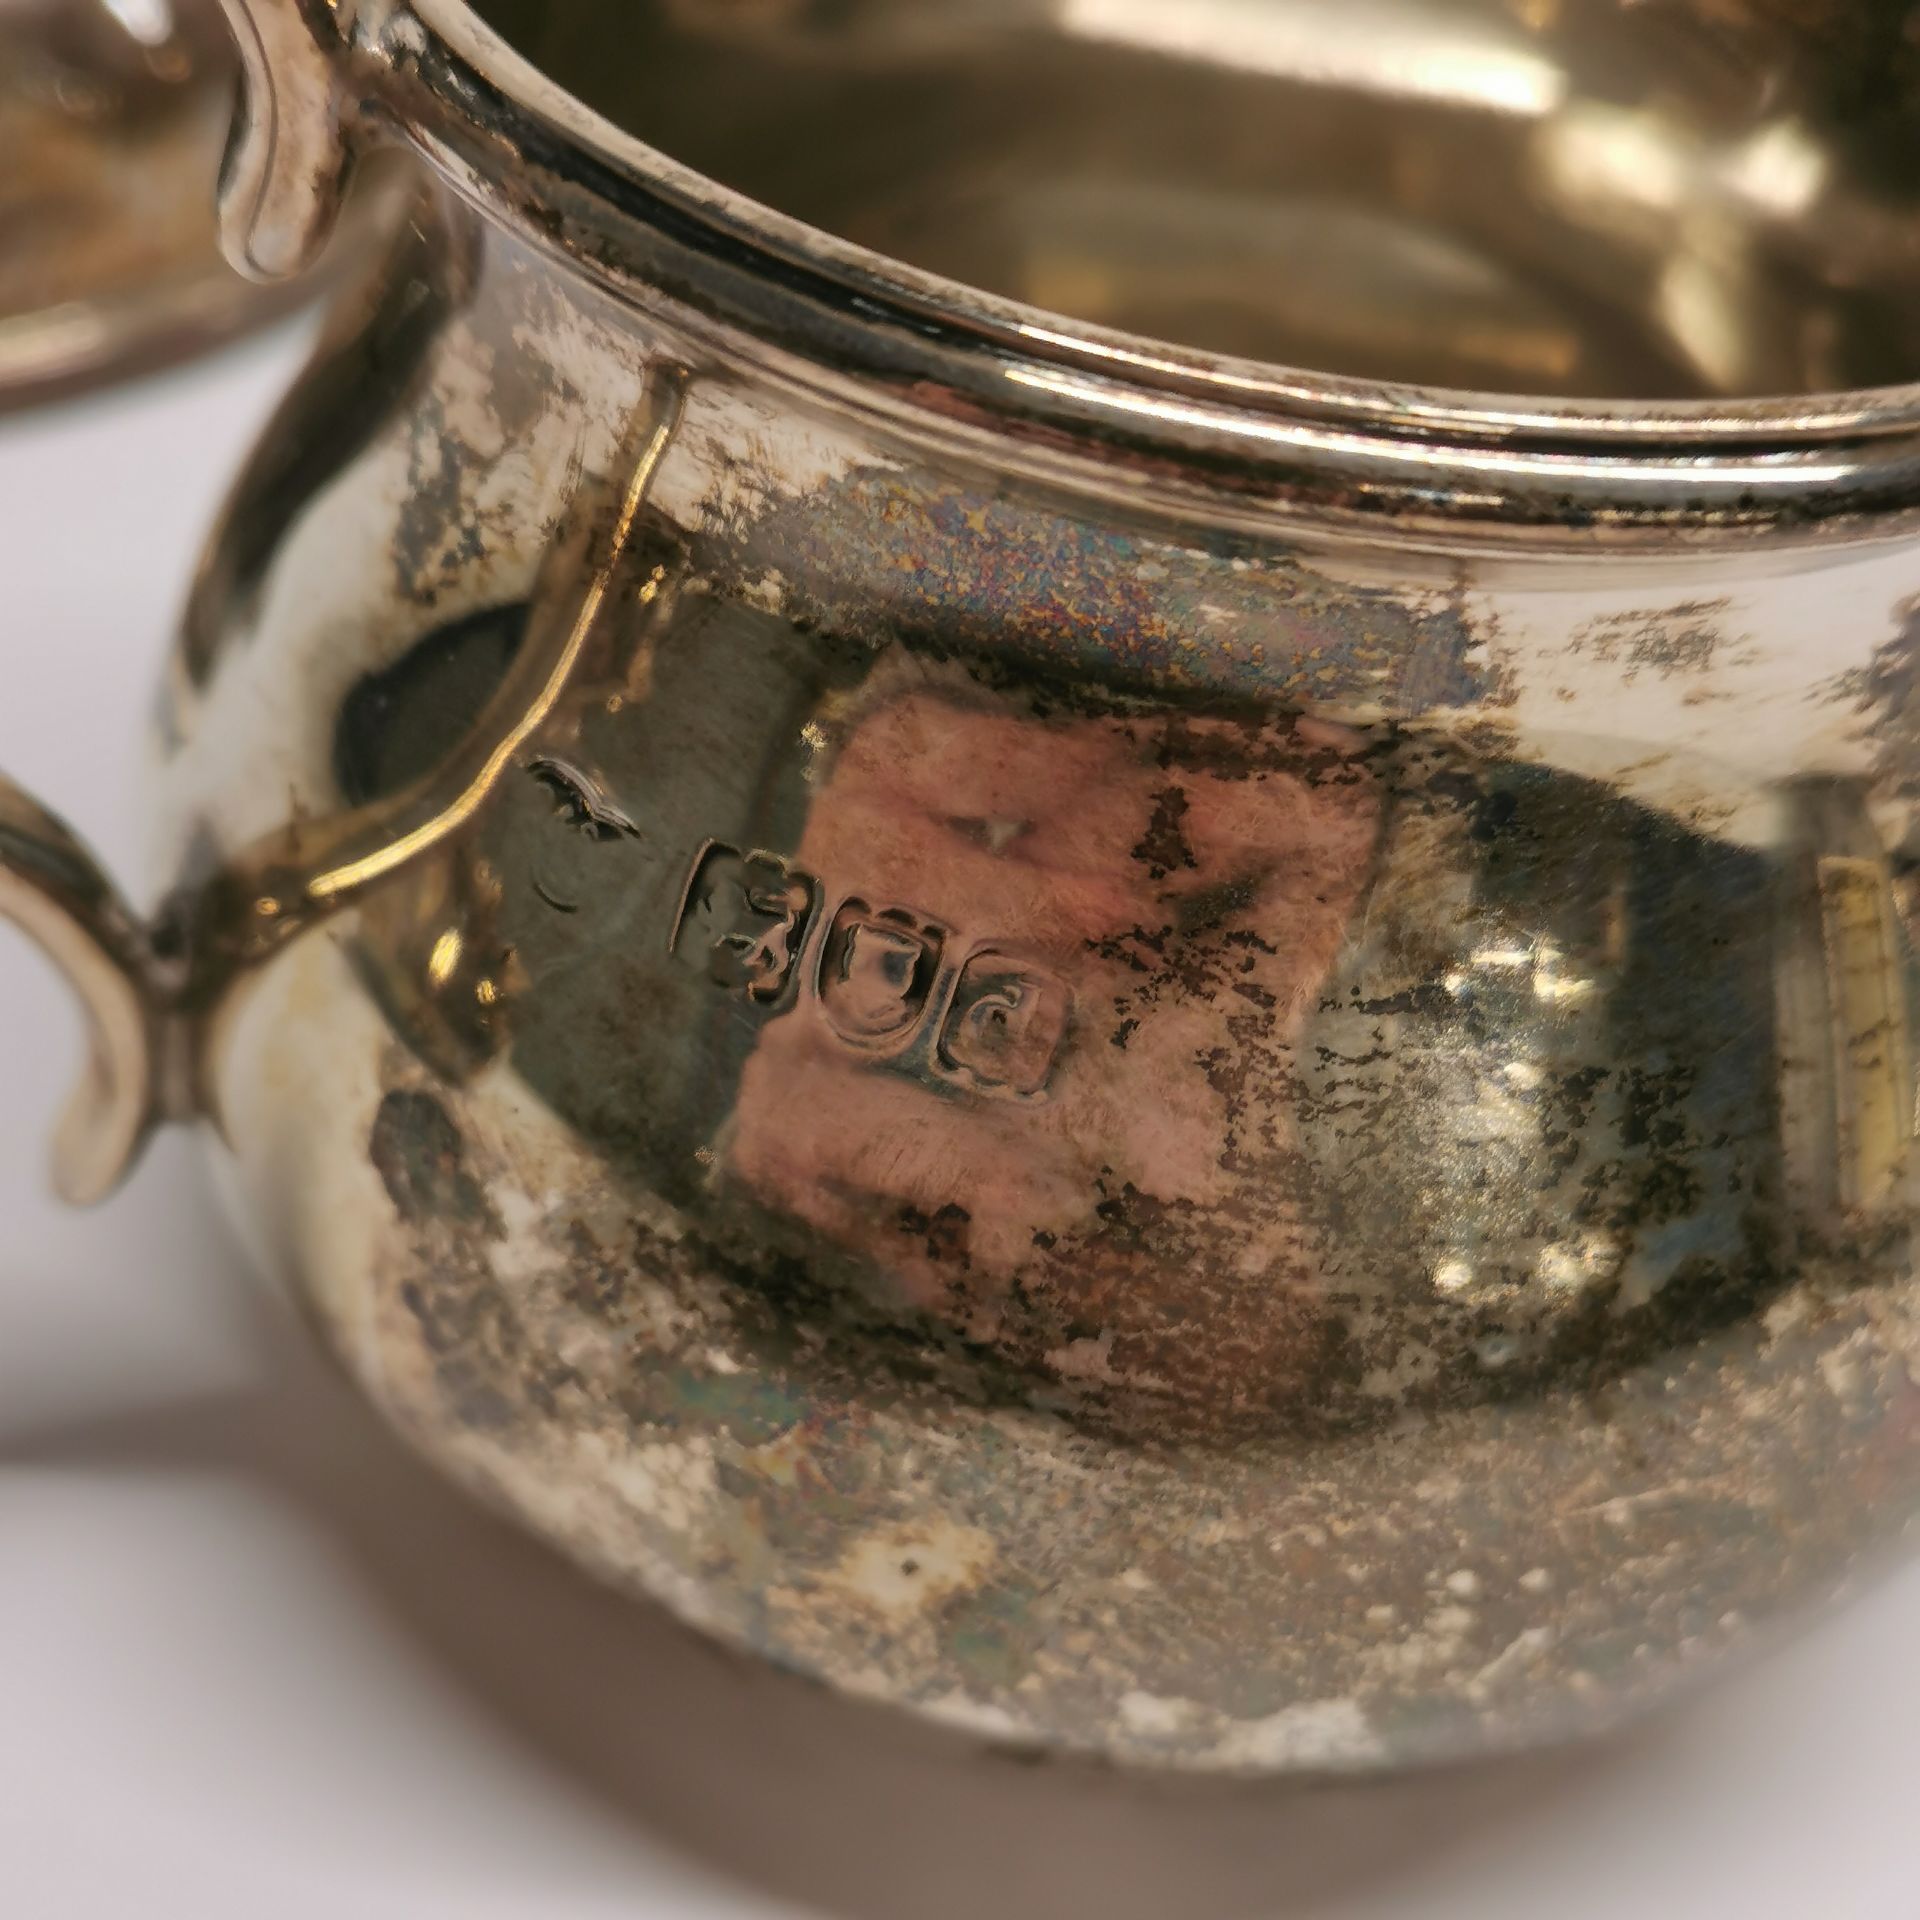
x=1533, y=196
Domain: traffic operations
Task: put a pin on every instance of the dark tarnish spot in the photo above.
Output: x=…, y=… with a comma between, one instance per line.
x=1674, y=640
x=1210, y=907
x=1886, y=693
x=1134, y=1215
x=421, y=1160
x=1164, y=846
x=944, y=1231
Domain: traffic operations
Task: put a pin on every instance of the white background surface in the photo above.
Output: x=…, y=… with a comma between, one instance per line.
x=257, y=1665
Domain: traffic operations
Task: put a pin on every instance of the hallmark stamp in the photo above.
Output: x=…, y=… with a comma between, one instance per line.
x=877, y=974
x=743, y=920
x=888, y=982
x=1003, y=1027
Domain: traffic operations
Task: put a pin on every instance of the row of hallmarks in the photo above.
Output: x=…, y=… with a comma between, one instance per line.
x=891, y=984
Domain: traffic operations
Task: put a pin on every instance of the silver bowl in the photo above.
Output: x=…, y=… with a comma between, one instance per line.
x=1169, y=1057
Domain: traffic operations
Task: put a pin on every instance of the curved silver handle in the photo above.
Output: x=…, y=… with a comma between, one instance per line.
x=54, y=889
x=289, y=159
x=150, y=1015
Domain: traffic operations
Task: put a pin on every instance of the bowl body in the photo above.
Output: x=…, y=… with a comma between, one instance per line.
x=1206, y=1070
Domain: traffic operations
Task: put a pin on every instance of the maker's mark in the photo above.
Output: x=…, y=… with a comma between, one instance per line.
x=743, y=919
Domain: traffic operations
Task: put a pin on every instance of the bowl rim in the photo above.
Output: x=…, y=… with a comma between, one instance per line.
x=579, y=182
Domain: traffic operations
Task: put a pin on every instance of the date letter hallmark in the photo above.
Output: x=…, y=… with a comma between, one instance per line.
x=888, y=982
x=1004, y=1026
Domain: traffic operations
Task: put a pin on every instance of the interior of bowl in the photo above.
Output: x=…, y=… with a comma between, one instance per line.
x=1601, y=199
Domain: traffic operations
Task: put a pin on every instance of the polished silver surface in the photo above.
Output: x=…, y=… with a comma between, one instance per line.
x=1169, y=1056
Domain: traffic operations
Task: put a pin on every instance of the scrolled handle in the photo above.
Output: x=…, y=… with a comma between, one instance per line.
x=55, y=890
x=290, y=154
x=153, y=1007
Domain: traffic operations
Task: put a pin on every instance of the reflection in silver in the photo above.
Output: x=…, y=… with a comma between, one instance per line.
x=1873, y=1074
x=1373, y=46
x=150, y=22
